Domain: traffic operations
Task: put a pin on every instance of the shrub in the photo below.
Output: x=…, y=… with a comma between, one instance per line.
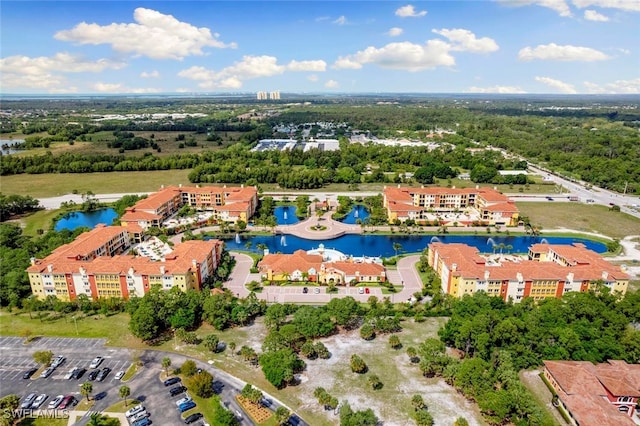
x=201, y=384
x=358, y=365
x=367, y=332
x=189, y=368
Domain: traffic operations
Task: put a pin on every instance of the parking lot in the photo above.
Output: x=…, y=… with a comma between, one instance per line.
x=146, y=386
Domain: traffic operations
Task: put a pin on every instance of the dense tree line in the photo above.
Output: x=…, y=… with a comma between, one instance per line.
x=14, y=204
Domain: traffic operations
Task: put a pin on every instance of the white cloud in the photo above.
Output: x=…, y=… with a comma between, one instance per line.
x=153, y=34
x=617, y=87
x=626, y=5
x=559, y=6
x=232, y=77
x=496, y=89
x=43, y=72
x=557, y=85
x=417, y=57
x=307, y=65
x=331, y=84
x=341, y=20
x=554, y=52
x=322, y=18
x=313, y=78
x=395, y=32
x=152, y=74
x=592, y=15
x=465, y=40
x=121, y=88
x=409, y=11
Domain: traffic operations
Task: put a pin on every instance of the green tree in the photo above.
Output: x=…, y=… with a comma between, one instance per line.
x=357, y=364
x=43, y=357
x=279, y=366
x=394, y=341
x=282, y=416
x=322, y=350
x=461, y=421
x=200, y=384
x=8, y=405
x=308, y=350
x=232, y=347
x=189, y=368
x=367, y=332
x=396, y=248
x=124, y=392
x=412, y=353
x=348, y=417
x=417, y=402
x=211, y=342
x=86, y=389
x=423, y=418
x=375, y=382
x=166, y=363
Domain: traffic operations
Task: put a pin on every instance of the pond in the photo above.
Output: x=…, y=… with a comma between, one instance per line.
x=382, y=245
x=357, y=212
x=286, y=215
x=6, y=145
x=75, y=220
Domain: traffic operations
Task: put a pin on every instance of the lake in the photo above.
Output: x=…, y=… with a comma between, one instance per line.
x=6, y=145
x=89, y=219
x=286, y=215
x=357, y=212
x=382, y=245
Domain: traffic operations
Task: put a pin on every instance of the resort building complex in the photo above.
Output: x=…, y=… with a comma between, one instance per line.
x=605, y=394
x=95, y=264
x=228, y=204
x=303, y=266
x=549, y=271
x=450, y=206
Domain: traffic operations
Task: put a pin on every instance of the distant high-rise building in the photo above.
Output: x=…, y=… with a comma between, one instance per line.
x=262, y=96
x=274, y=95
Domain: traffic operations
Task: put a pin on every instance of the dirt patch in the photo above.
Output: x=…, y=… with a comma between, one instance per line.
x=400, y=379
x=533, y=382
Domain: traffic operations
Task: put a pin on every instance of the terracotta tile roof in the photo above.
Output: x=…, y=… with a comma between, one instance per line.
x=298, y=261
x=241, y=194
x=583, y=389
x=133, y=215
x=350, y=268
x=234, y=207
x=157, y=199
x=501, y=207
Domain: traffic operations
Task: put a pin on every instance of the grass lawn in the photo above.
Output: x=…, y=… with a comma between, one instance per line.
x=131, y=371
x=120, y=407
x=52, y=185
x=581, y=217
x=39, y=220
x=84, y=405
x=40, y=421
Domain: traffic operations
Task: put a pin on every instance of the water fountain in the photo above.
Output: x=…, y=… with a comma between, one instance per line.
x=491, y=242
x=283, y=241
x=237, y=238
x=435, y=240
x=284, y=215
x=355, y=213
x=544, y=241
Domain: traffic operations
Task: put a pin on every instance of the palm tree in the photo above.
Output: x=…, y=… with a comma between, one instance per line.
x=282, y=416
x=261, y=247
x=397, y=247
x=501, y=246
x=166, y=363
x=509, y=247
x=124, y=392
x=86, y=389
x=248, y=245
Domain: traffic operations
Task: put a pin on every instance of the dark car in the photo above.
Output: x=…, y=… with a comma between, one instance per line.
x=144, y=422
x=177, y=390
x=305, y=290
x=27, y=374
x=93, y=374
x=171, y=381
x=187, y=406
x=192, y=418
x=79, y=372
x=103, y=374
x=68, y=401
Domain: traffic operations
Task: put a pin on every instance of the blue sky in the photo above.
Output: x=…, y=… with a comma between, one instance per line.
x=502, y=46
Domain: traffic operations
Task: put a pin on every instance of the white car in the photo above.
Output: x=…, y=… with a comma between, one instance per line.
x=183, y=400
x=46, y=373
x=57, y=361
x=96, y=362
x=141, y=415
x=69, y=375
x=28, y=400
x=119, y=375
x=39, y=400
x=55, y=402
x=135, y=410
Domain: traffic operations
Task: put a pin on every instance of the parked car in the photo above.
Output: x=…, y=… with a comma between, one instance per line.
x=186, y=406
x=68, y=401
x=103, y=374
x=119, y=375
x=96, y=362
x=266, y=402
x=193, y=418
x=93, y=374
x=79, y=373
x=27, y=374
x=171, y=381
x=141, y=415
x=316, y=290
x=144, y=422
x=177, y=390
x=70, y=373
x=183, y=400
x=134, y=410
x=361, y=290
x=28, y=400
x=366, y=290
x=305, y=290
x=39, y=400
x=57, y=361
x=55, y=402
x=46, y=373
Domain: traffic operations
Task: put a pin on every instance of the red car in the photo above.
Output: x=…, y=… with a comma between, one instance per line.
x=68, y=401
x=366, y=290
